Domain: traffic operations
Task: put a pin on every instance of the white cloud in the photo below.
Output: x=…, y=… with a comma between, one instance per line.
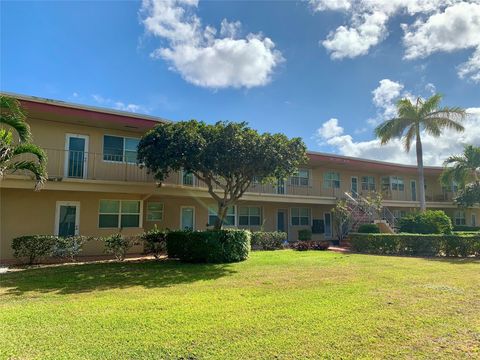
x=358, y=39
x=384, y=97
x=471, y=68
x=201, y=56
x=320, y=5
x=436, y=26
x=330, y=129
x=458, y=27
x=435, y=150
x=119, y=105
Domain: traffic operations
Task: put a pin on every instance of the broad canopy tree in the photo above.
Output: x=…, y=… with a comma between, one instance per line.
x=226, y=156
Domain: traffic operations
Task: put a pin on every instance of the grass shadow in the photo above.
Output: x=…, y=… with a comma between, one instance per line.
x=93, y=277
x=456, y=260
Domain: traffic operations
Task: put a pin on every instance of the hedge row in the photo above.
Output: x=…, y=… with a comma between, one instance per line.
x=263, y=240
x=416, y=244
x=211, y=246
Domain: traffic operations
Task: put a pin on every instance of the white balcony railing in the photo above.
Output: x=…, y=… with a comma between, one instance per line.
x=68, y=164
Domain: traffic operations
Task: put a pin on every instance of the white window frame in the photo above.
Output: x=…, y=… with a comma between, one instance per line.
x=212, y=211
x=463, y=217
x=193, y=215
x=182, y=174
x=296, y=179
x=367, y=183
x=68, y=136
x=260, y=215
x=57, y=215
x=140, y=214
x=328, y=183
x=162, y=212
x=123, y=155
x=299, y=216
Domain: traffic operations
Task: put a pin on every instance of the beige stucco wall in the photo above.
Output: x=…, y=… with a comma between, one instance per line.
x=25, y=212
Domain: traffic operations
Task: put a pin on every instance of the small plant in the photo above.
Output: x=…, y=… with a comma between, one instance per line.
x=33, y=247
x=304, y=235
x=264, y=240
x=68, y=247
x=155, y=242
x=368, y=229
x=118, y=245
x=311, y=245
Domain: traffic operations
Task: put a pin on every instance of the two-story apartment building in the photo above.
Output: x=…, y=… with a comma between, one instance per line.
x=95, y=187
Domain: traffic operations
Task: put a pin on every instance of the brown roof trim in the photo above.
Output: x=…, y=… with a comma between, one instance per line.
x=93, y=113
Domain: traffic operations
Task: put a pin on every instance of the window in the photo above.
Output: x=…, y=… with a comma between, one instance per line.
x=331, y=180
x=249, y=215
x=460, y=217
x=229, y=219
x=300, y=178
x=368, y=183
x=187, y=178
x=395, y=183
x=120, y=149
x=119, y=213
x=300, y=216
x=452, y=188
x=154, y=211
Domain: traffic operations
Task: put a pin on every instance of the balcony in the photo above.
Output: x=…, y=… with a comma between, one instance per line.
x=68, y=164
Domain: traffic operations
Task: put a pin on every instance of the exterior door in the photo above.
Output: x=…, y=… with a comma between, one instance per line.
x=187, y=218
x=413, y=189
x=76, y=152
x=354, y=187
x=282, y=220
x=281, y=186
x=474, y=219
x=67, y=218
x=328, y=225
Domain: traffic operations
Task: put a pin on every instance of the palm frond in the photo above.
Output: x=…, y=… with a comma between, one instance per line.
x=409, y=137
x=11, y=114
x=391, y=129
x=428, y=106
x=36, y=169
x=406, y=109
x=29, y=148
x=443, y=123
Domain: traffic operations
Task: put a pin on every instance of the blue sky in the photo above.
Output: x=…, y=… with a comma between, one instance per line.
x=324, y=70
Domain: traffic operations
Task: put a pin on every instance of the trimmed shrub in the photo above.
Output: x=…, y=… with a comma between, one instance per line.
x=369, y=229
x=262, y=240
x=416, y=244
x=118, y=245
x=465, y=228
x=304, y=235
x=429, y=222
x=211, y=246
x=154, y=242
x=33, y=247
x=311, y=245
x=68, y=247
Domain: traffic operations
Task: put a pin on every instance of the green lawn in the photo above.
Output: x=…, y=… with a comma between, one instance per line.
x=276, y=305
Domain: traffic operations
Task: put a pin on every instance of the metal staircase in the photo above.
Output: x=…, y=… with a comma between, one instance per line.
x=365, y=213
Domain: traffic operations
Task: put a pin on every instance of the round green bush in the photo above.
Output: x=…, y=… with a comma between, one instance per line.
x=210, y=246
x=265, y=240
x=428, y=222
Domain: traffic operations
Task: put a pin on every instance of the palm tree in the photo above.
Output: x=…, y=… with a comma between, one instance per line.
x=412, y=119
x=12, y=120
x=462, y=169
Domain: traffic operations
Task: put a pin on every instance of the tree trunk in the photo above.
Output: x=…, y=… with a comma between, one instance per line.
x=421, y=176
x=221, y=214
